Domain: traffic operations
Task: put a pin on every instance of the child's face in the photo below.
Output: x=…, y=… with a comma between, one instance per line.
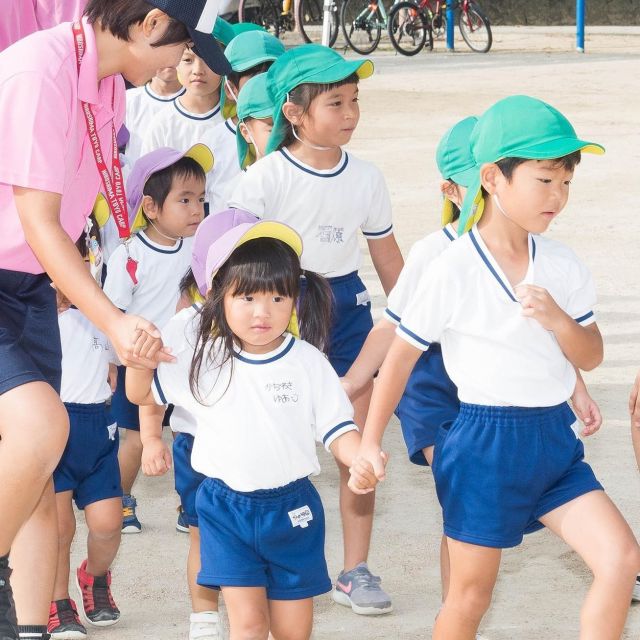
x=196, y=77
x=183, y=209
x=258, y=320
x=537, y=192
x=332, y=117
x=260, y=130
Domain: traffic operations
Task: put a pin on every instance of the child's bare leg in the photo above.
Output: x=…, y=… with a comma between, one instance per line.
x=635, y=439
x=474, y=570
x=104, y=521
x=34, y=557
x=129, y=457
x=248, y=611
x=356, y=511
x=445, y=569
x=32, y=444
x=291, y=619
x=66, y=532
x=202, y=598
x=595, y=529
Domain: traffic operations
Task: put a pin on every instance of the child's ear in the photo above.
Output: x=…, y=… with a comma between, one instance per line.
x=149, y=207
x=451, y=191
x=244, y=131
x=491, y=177
x=292, y=112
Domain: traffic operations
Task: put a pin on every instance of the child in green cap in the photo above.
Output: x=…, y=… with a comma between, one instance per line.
x=249, y=54
x=255, y=120
x=329, y=197
x=430, y=398
x=513, y=312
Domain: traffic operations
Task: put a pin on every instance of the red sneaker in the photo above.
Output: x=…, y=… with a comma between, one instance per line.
x=97, y=602
x=64, y=622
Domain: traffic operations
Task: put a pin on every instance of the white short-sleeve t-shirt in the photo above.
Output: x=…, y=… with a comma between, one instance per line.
x=262, y=414
x=159, y=271
x=494, y=354
x=143, y=103
x=422, y=254
x=327, y=208
x=226, y=167
x=86, y=354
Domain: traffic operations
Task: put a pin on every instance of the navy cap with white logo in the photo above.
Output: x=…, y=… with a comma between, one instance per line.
x=199, y=16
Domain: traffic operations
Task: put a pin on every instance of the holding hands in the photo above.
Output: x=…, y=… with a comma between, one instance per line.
x=367, y=469
x=138, y=343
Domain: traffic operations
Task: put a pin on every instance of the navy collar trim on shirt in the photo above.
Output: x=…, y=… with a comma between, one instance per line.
x=181, y=110
x=337, y=172
x=230, y=127
x=170, y=98
x=448, y=234
x=148, y=243
x=490, y=266
x=283, y=350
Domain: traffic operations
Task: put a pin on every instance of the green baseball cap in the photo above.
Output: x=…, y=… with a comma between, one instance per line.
x=309, y=63
x=224, y=32
x=251, y=49
x=455, y=161
x=518, y=127
x=254, y=101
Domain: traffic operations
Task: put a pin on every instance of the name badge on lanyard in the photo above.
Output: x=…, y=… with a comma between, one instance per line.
x=112, y=180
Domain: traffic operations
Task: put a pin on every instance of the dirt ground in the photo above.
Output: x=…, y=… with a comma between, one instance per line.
x=406, y=106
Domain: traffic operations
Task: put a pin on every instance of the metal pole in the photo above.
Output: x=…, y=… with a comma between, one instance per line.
x=450, y=24
x=580, y=11
x=326, y=22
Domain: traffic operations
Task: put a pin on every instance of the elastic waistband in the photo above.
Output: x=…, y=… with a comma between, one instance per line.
x=76, y=407
x=261, y=496
x=518, y=416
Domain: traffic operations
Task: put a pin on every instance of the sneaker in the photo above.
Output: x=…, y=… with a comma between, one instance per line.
x=636, y=590
x=361, y=590
x=205, y=626
x=182, y=524
x=64, y=622
x=97, y=602
x=130, y=522
x=8, y=620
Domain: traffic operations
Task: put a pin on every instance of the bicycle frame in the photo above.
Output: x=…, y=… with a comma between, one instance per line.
x=370, y=13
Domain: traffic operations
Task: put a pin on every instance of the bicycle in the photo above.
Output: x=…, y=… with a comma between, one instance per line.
x=309, y=15
x=362, y=22
x=410, y=23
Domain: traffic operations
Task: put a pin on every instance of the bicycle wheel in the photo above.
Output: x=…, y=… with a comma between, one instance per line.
x=408, y=28
x=310, y=15
x=361, y=25
x=475, y=28
x=262, y=12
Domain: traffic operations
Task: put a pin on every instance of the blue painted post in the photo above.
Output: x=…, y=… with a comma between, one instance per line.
x=580, y=7
x=450, y=24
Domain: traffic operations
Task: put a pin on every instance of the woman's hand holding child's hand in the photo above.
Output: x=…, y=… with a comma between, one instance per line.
x=138, y=343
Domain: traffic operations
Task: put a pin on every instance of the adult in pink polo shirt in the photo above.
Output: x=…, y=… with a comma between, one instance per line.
x=48, y=183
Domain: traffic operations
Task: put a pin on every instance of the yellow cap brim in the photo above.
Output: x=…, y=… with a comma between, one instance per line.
x=202, y=155
x=447, y=212
x=276, y=230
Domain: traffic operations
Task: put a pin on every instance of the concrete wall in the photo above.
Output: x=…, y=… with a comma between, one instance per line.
x=558, y=12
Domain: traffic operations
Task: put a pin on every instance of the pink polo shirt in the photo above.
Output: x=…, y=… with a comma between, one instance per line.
x=50, y=13
x=43, y=138
x=17, y=20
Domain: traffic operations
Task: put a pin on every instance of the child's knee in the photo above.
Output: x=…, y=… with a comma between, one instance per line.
x=471, y=601
x=252, y=627
x=621, y=560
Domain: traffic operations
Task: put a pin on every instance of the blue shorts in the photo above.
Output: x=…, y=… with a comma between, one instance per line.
x=499, y=469
x=124, y=412
x=249, y=539
x=29, y=336
x=89, y=465
x=429, y=401
x=351, y=320
x=187, y=480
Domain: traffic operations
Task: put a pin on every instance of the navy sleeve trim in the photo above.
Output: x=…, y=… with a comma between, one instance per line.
x=375, y=234
x=156, y=381
x=342, y=425
x=392, y=315
x=416, y=337
x=586, y=316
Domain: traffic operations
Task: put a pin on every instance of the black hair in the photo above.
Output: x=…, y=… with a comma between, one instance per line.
x=118, y=16
x=159, y=184
x=187, y=282
x=303, y=95
x=82, y=243
x=507, y=166
x=456, y=211
x=234, y=77
x=258, y=266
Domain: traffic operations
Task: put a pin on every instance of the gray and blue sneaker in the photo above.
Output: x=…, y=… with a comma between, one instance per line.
x=361, y=590
x=130, y=522
x=181, y=524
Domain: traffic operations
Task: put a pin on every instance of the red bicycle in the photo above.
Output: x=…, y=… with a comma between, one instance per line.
x=413, y=25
